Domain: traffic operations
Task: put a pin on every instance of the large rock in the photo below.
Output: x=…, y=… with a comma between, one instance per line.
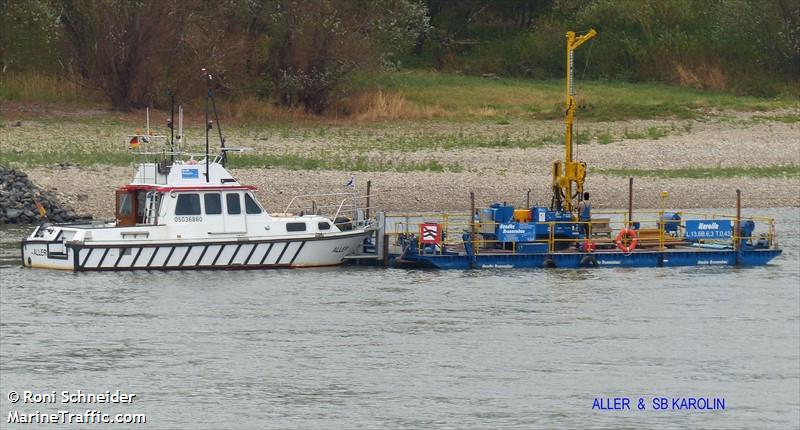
x=18, y=197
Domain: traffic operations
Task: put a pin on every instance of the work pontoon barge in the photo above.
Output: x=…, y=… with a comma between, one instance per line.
x=501, y=236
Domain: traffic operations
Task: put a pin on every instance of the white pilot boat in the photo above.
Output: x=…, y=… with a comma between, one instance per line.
x=180, y=221
x=187, y=214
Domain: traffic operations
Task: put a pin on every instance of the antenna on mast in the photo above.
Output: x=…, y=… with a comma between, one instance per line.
x=171, y=125
x=180, y=128
x=207, y=75
x=223, y=155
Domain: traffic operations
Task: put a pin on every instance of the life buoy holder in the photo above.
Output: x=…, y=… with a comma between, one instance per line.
x=627, y=234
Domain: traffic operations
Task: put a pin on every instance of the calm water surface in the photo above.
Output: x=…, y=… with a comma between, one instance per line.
x=370, y=348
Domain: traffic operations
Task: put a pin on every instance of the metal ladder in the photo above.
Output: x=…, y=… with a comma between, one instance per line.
x=151, y=212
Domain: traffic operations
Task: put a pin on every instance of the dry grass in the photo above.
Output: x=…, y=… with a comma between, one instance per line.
x=419, y=95
x=252, y=109
x=39, y=87
x=707, y=77
x=483, y=112
x=380, y=106
x=366, y=106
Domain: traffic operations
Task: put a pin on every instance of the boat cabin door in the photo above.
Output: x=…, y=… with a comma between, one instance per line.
x=126, y=209
x=235, y=221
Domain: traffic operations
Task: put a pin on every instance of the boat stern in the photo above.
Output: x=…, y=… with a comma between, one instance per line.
x=47, y=248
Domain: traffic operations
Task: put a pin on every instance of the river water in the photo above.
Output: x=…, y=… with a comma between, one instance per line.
x=371, y=348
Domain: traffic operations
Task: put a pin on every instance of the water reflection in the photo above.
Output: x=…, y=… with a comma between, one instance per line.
x=374, y=348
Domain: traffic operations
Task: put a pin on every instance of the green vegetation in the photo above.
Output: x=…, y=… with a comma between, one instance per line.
x=653, y=133
x=779, y=171
x=259, y=160
x=67, y=157
x=695, y=43
x=420, y=95
x=788, y=119
x=605, y=138
x=358, y=163
x=470, y=97
x=364, y=60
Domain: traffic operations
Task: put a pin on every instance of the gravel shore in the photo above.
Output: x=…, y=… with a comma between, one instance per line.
x=92, y=191
x=727, y=139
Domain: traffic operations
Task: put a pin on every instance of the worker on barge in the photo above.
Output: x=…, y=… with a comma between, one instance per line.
x=585, y=214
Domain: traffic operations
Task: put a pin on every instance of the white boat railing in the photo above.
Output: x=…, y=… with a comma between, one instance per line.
x=354, y=207
x=359, y=215
x=290, y=206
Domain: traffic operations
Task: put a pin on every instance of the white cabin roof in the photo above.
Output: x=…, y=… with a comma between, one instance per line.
x=185, y=174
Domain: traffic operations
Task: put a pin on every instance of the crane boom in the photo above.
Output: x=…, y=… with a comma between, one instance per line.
x=568, y=172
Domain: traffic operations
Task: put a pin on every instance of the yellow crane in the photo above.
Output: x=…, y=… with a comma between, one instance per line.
x=568, y=172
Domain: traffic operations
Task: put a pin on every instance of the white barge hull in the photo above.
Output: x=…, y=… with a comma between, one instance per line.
x=251, y=254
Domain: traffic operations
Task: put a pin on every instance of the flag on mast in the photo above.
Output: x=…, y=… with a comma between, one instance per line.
x=351, y=183
x=42, y=211
x=134, y=143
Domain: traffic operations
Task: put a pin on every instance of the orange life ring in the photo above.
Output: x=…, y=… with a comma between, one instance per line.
x=627, y=233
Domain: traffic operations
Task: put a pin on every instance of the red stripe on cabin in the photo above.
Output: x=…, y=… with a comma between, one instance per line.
x=209, y=188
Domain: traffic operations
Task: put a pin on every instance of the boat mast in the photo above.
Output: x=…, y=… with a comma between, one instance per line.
x=171, y=125
x=224, y=155
x=564, y=174
x=208, y=124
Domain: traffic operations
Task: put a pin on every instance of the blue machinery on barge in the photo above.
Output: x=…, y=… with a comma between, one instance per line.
x=505, y=238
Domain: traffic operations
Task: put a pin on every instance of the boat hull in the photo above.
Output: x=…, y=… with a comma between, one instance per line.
x=672, y=258
x=218, y=255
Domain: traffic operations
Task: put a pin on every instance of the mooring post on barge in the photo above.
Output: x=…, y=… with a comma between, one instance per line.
x=472, y=229
x=630, y=202
x=369, y=192
x=737, y=226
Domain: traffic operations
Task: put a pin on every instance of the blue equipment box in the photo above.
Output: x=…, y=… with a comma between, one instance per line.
x=502, y=213
x=532, y=248
x=517, y=232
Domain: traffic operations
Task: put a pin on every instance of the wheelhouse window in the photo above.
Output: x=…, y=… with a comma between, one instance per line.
x=324, y=226
x=295, y=226
x=213, y=203
x=124, y=204
x=250, y=205
x=188, y=204
x=233, y=203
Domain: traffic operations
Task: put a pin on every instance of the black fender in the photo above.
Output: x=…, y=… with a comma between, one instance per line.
x=589, y=260
x=549, y=263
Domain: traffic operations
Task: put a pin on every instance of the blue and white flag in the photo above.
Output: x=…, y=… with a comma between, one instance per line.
x=351, y=183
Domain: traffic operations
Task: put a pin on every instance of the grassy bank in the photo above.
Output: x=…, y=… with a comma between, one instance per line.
x=417, y=95
x=415, y=121
x=469, y=97
x=780, y=171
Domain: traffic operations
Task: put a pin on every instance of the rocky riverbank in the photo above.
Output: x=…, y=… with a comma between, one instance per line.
x=18, y=197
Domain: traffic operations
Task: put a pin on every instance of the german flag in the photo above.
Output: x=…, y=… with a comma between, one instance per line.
x=42, y=211
x=134, y=143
